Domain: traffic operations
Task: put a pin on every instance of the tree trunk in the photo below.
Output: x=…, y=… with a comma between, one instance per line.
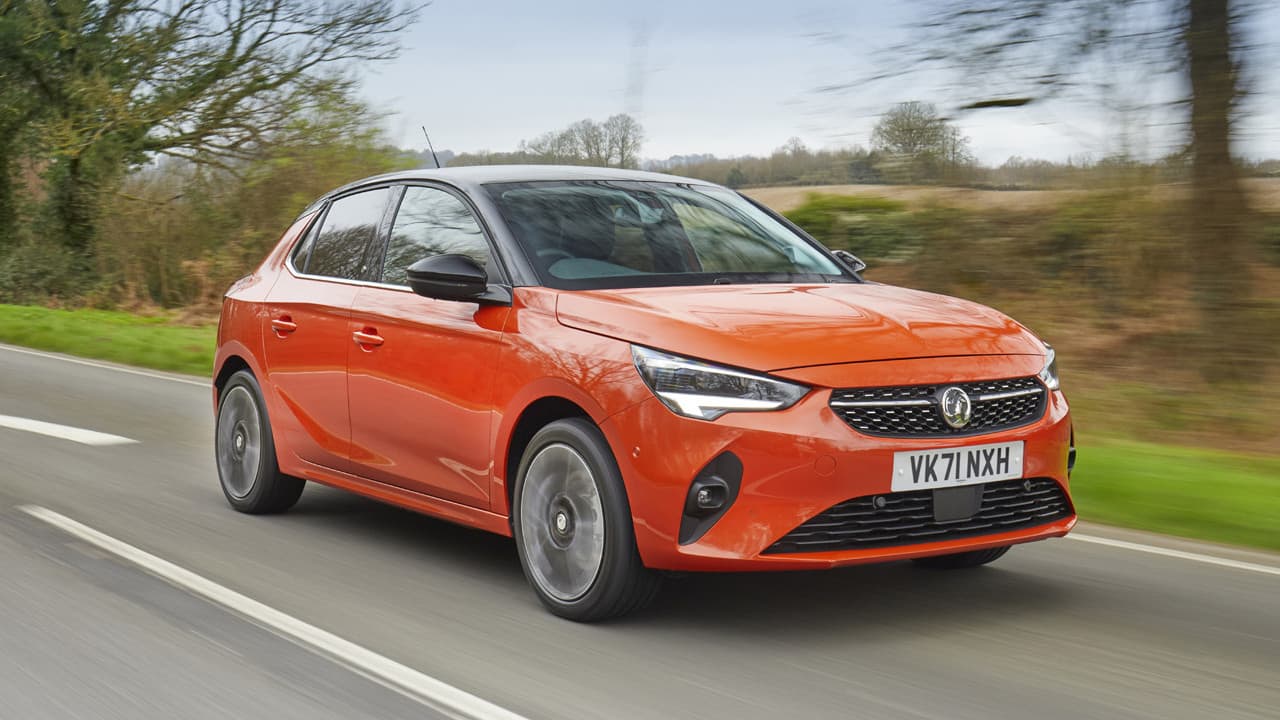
x=8, y=205
x=1218, y=209
x=73, y=199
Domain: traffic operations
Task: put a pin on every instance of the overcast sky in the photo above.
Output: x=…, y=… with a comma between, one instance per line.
x=728, y=77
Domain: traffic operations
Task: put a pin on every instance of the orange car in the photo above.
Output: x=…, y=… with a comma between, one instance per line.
x=631, y=373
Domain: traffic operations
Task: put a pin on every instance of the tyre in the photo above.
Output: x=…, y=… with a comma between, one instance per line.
x=572, y=526
x=246, y=453
x=955, y=561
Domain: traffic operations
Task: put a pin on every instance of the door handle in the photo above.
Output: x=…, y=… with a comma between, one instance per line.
x=283, y=326
x=367, y=339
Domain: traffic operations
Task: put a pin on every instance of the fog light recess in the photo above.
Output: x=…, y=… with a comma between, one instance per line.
x=710, y=494
x=1071, y=453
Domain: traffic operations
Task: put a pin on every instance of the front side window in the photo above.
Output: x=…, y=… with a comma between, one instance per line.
x=606, y=234
x=338, y=248
x=431, y=222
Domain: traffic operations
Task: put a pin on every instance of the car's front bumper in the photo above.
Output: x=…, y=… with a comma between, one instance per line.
x=799, y=463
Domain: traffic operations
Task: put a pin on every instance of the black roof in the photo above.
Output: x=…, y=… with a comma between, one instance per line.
x=481, y=174
x=476, y=175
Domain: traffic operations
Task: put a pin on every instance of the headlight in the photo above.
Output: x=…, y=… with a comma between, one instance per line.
x=700, y=390
x=1049, y=375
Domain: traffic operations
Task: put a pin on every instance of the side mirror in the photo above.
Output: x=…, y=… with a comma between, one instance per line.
x=448, y=277
x=853, y=262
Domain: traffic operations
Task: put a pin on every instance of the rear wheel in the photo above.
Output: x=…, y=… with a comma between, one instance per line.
x=572, y=525
x=245, y=449
x=955, y=561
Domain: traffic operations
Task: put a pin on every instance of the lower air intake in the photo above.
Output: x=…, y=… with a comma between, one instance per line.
x=906, y=518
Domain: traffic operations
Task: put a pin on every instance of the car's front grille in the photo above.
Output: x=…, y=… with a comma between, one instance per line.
x=906, y=518
x=915, y=410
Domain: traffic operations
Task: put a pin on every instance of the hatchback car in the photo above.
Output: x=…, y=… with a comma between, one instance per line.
x=631, y=373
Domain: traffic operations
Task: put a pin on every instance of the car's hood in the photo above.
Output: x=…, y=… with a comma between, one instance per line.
x=773, y=327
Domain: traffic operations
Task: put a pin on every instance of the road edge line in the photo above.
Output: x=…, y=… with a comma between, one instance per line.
x=1180, y=554
x=396, y=676
x=106, y=365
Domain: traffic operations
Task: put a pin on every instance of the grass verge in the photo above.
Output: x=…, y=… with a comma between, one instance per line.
x=1207, y=494
x=152, y=342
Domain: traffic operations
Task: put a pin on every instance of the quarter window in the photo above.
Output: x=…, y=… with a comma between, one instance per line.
x=431, y=222
x=338, y=249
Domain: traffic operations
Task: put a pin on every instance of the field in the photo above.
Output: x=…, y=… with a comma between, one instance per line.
x=785, y=199
x=1264, y=194
x=1221, y=496
x=154, y=342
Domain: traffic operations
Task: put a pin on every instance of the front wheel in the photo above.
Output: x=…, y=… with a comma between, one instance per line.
x=246, y=452
x=957, y=561
x=572, y=526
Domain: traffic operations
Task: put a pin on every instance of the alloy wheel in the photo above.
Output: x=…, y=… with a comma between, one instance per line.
x=562, y=523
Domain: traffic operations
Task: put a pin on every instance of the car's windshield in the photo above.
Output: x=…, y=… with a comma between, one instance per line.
x=595, y=234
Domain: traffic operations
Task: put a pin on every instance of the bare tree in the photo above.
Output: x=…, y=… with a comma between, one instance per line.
x=614, y=143
x=1011, y=53
x=560, y=147
x=1219, y=209
x=623, y=138
x=916, y=143
x=794, y=147
x=592, y=141
x=910, y=128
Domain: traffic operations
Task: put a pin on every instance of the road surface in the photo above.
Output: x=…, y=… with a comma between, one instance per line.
x=1058, y=629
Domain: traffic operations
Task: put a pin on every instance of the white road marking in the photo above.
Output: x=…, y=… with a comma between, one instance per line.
x=1180, y=554
x=63, y=432
x=401, y=678
x=207, y=384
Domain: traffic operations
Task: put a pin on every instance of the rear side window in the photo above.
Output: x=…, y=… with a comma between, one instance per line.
x=338, y=248
x=431, y=222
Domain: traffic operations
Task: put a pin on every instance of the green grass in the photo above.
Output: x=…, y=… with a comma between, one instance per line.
x=117, y=336
x=1206, y=494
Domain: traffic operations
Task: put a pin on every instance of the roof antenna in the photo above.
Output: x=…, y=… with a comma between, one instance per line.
x=433, y=150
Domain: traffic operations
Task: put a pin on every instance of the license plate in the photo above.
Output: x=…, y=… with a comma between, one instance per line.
x=953, y=467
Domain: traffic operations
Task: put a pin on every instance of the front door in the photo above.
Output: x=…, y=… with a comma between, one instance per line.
x=421, y=371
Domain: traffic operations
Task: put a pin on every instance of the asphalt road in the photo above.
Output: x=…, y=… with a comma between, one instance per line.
x=1059, y=629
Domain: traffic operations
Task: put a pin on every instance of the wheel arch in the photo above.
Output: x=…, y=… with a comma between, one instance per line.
x=230, y=366
x=232, y=356
x=535, y=416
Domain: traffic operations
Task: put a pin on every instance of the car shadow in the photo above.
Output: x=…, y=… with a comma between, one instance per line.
x=438, y=543
x=889, y=600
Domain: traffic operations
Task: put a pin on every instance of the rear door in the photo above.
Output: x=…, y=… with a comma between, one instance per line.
x=307, y=338
x=421, y=383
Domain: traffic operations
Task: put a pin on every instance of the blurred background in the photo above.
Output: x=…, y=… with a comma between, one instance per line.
x=1106, y=171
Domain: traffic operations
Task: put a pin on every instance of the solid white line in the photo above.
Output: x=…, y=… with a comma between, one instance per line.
x=1180, y=554
x=108, y=366
x=405, y=680
x=63, y=432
